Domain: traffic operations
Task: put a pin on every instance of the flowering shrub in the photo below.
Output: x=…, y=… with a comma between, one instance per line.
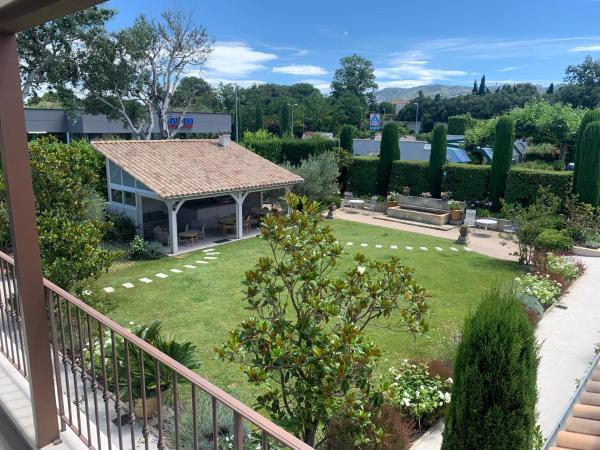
x=416, y=393
x=567, y=268
x=545, y=290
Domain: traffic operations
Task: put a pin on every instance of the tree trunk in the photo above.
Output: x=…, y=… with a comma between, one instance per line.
x=563, y=151
x=310, y=434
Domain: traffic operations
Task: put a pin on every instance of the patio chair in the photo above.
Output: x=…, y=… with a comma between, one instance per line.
x=248, y=222
x=470, y=217
x=200, y=232
x=161, y=236
x=219, y=225
x=371, y=205
x=347, y=197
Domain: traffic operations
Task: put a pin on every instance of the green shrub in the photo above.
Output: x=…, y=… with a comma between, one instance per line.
x=588, y=175
x=458, y=124
x=494, y=391
x=139, y=249
x=264, y=144
x=295, y=150
x=414, y=174
x=425, y=136
x=523, y=185
x=346, y=136
x=437, y=159
x=551, y=240
x=362, y=175
x=543, y=289
x=563, y=266
x=389, y=151
x=467, y=181
x=320, y=173
x=121, y=229
x=502, y=159
x=588, y=117
x=530, y=302
x=541, y=152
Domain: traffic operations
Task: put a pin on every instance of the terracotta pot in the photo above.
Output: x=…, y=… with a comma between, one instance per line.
x=455, y=214
x=151, y=406
x=392, y=203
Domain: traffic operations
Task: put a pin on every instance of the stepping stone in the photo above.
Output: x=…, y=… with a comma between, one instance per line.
x=210, y=257
x=364, y=245
x=349, y=243
x=439, y=249
x=453, y=249
x=378, y=246
x=145, y=280
x=201, y=262
x=424, y=249
x=408, y=247
x=394, y=247
x=212, y=253
x=189, y=266
x=161, y=275
x=176, y=270
x=127, y=285
x=467, y=249
x=208, y=250
x=109, y=290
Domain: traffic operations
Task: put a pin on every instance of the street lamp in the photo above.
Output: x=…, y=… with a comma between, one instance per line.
x=295, y=104
x=360, y=121
x=416, y=120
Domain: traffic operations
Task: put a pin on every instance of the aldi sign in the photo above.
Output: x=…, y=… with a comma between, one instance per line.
x=173, y=122
x=374, y=121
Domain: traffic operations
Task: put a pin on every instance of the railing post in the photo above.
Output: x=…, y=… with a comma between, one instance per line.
x=21, y=210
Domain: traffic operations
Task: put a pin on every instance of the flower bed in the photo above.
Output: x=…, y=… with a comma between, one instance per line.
x=543, y=289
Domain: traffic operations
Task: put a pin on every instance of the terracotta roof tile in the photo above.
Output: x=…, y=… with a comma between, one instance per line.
x=191, y=167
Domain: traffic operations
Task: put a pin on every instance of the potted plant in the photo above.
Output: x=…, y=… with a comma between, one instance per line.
x=392, y=199
x=406, y=190
x=426, y=195
x=446, y=195
x=463, y=234
x=455, y=210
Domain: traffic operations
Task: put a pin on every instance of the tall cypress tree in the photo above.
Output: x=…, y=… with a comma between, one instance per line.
x=437, y=158
x=589, y=117
x=482, y=86
x=502, y=159
x=346, y=137
x=258, y=118
x=475, y=88
x=389, y=151
x=494, y=390
x=550, y=89
x=588, y=183
x=284, y=119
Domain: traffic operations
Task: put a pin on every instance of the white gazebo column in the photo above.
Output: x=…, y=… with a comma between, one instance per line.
x=172, y=209
x=239, y=198
x=288, y=189
x=139, y=214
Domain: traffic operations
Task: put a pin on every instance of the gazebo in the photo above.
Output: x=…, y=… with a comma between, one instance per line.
x=188, y=184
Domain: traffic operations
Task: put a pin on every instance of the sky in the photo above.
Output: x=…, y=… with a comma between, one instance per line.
x=410, y=43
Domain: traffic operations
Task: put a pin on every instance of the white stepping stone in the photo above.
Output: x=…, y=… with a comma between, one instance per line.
x=212, y=253
x=439, y=249
x=201, y=262
x=109, y=290
x=208, y=250
x=349, y=243
x=161, y=275
x=467, y=249
x=453, y=249
x=364, y=245
x=176, y=270
x=189, y=266
x=378, y=246
x=394, y=247
x=127, y=285
x=210, y=257
x=424, y=249
x=408, y=247
x=145, y=280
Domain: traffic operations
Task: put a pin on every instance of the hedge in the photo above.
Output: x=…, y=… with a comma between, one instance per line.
x=362, y=175
x=291, y=150
x=414, y=174
x=522, y=185
x=458, y=124
x=467, y=181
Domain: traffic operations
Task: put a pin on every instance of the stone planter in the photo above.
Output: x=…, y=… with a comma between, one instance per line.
x=455, y=215
x=392, y=203
x=422, y=202
x=584, y=251
x=381, y=207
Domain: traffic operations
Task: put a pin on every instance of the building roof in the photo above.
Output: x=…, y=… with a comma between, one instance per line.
x=195, y=167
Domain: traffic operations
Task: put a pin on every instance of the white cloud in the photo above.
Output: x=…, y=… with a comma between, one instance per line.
x=236, y=60
x=240, y=82
x=410, y=69
x=586, y=48
x=305, y=70
x=508, y=69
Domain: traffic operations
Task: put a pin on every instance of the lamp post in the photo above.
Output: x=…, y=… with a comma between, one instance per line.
x=360, y=119
x=295, y=104
x=416, y=120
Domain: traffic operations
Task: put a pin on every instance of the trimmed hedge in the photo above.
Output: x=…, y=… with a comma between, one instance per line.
x=458, y=124
x=467, y=181
x=551, y=240
x=291, y=150
x=362, y=175
x=522, y=185
x=414, y=174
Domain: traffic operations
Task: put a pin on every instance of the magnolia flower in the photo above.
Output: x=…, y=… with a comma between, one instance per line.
x=360, y=270
x=87, y=292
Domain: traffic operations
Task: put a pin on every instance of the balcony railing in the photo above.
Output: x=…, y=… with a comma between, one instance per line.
x=114, y=390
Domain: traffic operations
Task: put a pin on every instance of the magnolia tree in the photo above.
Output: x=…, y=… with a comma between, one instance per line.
x=305, y=340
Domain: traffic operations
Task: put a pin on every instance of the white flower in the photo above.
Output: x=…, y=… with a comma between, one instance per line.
x=131, y=322
x=448, y=397
x=360, y=270
x=87, y=292
x=449, y=380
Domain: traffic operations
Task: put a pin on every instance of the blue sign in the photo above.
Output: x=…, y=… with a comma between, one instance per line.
x=188, y=122
x=173, y=122
x=374, y=121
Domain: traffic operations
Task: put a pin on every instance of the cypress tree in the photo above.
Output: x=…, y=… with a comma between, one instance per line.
x=588, y=182
x=475, y=88
x=284, y=119
x=589, y=117
x=389, y=151
x=258, y=118
x=502, y=159
x=550, y=89
x=346, y=136
x=482, y=90
x=437, y=159
x=494, y=391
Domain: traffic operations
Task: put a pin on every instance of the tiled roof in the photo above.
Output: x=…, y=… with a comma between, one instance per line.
x=194, y=167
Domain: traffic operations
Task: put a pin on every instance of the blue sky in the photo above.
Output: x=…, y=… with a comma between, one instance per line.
x=410, y=43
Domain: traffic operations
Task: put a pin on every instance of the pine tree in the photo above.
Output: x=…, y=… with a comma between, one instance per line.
x=346, y=137
x=589, y=117
x=550, y=89
x=389, y=151
x=284, y=119
x=502, y=158
x=494, y=391
x=482, y=90
x=475, y=88
x=437, y=159
x=588, y=183
x=258, y=118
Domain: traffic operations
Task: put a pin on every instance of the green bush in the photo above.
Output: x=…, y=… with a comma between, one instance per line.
x=139, y=249
x=121, y=229
x=320, y=173
x=389, y=151
x=589, y=117
x=264, y=144
x=414, y=174
x=551, y=240
x=458, y=124
x=541, y=152
x=588, y=175
x=295, y=150
x=437, y=159
x=466, y=181
x=346, y=138
x=502, y=159
x=522, y=185
x=362, y=175
x=494, y=391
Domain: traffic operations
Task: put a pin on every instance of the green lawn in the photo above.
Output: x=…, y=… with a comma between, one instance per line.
x=203, y=304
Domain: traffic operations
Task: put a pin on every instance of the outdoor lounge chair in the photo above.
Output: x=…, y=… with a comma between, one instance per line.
x=470, y=215
x=371, y=205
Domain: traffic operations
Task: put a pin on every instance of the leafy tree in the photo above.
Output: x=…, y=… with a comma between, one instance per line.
x=348, y=109
x=494, y=391
x=132, y=74
x=550, y=89
x=482, y=89
x=588, y=117
x=389, y=151
x=305, y=341
x=355, y=76
x=258, y=120
x=284, y=119
x=587, y=73
x=437, y=159
x=588, y=181
x=475, y=89
x=346, y=138
x=320, y=173
x=195, y=94
x=502, y=159
x=49, y=54
x=386, y=108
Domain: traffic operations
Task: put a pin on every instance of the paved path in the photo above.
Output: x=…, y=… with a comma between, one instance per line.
x=567, y=338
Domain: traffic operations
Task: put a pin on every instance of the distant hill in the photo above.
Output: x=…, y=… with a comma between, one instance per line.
x=389, y=94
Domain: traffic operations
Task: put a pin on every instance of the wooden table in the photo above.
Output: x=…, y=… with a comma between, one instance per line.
x=189, y=235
